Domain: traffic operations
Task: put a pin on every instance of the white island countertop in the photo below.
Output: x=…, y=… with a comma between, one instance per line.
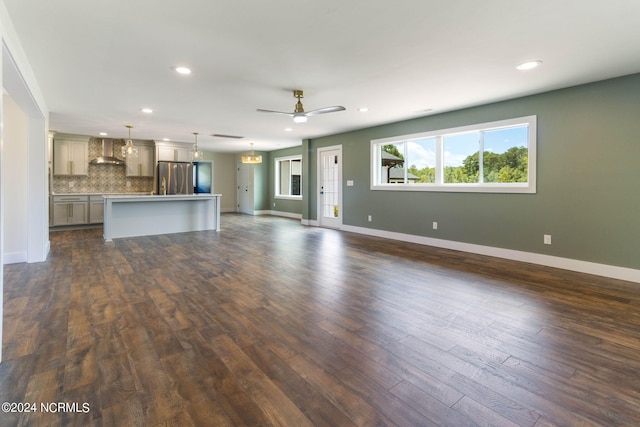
x=144, y=215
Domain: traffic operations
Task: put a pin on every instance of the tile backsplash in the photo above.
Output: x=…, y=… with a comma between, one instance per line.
x=102, y=178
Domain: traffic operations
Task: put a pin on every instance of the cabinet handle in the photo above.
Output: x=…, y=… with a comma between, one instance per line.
x=139, y=169
x=72, y=167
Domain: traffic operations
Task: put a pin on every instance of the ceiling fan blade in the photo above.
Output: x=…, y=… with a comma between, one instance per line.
x=276, y=112
x=325, y=110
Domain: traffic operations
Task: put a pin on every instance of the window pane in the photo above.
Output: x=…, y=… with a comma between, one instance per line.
x=421, y=158
x=461, y=163
x=296, y=177
x=505, y=156
x=392, y=163
x=285, y=189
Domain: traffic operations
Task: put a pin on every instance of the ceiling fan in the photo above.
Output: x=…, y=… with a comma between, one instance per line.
x=299, y=115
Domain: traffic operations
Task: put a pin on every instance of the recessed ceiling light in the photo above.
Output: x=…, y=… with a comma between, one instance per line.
x=102, y=134
x=183, y=70
x=363, y=109
x=166, y=139
x=529, y=65
x=147, y=110
x=288, y=130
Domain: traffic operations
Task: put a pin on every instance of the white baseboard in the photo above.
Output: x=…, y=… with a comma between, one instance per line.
x=279, y=213
x=286, y=214
x=14, y=257
x=604, y=270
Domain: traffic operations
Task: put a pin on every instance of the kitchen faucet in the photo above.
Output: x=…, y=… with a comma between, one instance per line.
x=163, y=187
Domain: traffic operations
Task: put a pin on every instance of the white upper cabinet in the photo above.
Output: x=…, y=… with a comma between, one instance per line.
x=173, y=151
x=70, y=155
x=142, y=165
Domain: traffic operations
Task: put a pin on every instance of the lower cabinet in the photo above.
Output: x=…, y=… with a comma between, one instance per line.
x=69, y=210
x=96, y=210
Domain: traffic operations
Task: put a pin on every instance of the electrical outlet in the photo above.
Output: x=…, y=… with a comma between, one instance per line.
x=369, y=218
x=547, y=239
x=435, y=225
x=128, y=184
x=71, y=184
x=274, y=204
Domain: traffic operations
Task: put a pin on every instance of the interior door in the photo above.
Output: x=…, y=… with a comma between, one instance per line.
x=245, y=190
x=330, y=186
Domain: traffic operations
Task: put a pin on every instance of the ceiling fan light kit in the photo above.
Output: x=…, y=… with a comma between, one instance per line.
x=299, y=115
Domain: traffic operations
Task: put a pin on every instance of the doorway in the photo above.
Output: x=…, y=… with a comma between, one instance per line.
x=330, y=186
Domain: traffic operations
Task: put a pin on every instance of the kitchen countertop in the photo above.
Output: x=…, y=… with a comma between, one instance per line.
x=157, y=197
x=100, y=194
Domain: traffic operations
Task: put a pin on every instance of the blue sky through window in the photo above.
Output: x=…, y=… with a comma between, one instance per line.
x=422, y=152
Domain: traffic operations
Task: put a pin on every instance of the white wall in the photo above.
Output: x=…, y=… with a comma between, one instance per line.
x=14, y=181
x=18, y=80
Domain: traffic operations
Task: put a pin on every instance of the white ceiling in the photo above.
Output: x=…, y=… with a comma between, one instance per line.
x=99, y=62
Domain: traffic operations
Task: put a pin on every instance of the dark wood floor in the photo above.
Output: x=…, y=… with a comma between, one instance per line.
x=273, y=323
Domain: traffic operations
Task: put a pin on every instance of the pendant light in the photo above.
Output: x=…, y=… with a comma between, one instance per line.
x=128, y=149
x=252, y=158
x=196, y=154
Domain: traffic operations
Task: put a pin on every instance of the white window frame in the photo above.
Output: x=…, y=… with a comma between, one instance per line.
x=439, y=185
x=277, y=177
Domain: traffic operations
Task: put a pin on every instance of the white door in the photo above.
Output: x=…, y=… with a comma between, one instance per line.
x=245, y=189
x=330, y=186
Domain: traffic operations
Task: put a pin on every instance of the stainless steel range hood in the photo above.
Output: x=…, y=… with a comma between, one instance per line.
x=108, y=156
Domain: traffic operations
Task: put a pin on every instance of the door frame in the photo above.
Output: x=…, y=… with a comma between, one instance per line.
x=338, y=221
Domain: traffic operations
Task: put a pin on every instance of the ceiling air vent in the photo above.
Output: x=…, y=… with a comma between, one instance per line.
x=219, y=135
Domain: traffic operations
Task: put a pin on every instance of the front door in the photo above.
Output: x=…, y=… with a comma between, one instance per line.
x=330, y=186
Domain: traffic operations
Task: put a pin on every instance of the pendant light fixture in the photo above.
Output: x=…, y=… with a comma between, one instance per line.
x=196, y=154
x=251, y=158
x=128, y=149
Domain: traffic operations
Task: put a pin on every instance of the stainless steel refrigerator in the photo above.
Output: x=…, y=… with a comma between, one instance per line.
x=175, y=178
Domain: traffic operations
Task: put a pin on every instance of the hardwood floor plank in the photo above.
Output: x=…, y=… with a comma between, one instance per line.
x=357, y=409
x=276, y=407
x=435, y=412
x=312, y=403
x=81, y=367
x=384, y=400
x=481, y=414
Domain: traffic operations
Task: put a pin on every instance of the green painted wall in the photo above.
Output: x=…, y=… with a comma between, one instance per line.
x=261, y=174
x=282, y=205
x=588, y=179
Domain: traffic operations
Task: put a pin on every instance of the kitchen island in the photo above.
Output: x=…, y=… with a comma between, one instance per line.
x=129, y=216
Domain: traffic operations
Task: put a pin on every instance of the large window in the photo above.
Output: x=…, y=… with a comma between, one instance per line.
x=495, y=157
x=289, y=177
